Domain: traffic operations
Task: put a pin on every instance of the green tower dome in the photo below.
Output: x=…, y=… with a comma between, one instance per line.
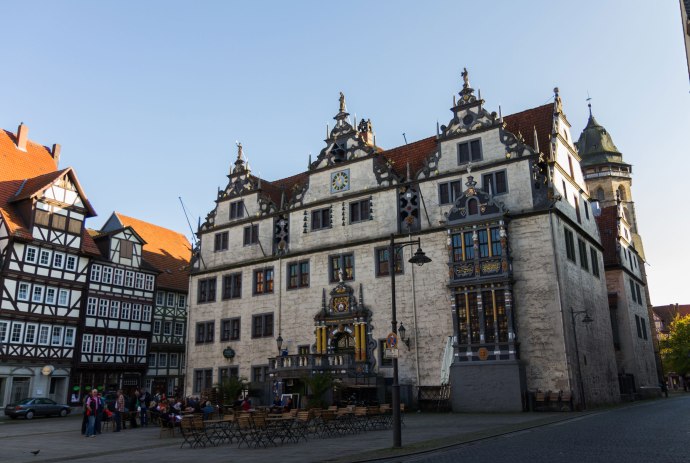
x=596, y=146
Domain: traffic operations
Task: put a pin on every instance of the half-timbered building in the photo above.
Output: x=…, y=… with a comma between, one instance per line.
x=44, y=259
x=169, y=252
x=498, y=203
x=117, y=313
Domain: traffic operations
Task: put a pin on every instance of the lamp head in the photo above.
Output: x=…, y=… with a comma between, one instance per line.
x=419, y=258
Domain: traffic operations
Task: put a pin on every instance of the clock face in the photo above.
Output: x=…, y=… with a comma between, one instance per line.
x=340, y=181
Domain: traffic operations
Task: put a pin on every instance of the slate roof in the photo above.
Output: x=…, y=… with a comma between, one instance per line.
x=166, y=250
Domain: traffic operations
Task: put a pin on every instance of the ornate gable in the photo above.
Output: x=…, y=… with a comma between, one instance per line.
x=344, y=142
x=474, y=204
x=469, y=114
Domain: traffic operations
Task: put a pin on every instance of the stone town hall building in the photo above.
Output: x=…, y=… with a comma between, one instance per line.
x=517, y=279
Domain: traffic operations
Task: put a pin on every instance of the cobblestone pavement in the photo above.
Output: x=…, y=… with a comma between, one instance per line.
x=651, y=431
x=59, y=439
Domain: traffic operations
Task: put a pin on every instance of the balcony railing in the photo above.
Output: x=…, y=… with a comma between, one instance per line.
x=338, y=363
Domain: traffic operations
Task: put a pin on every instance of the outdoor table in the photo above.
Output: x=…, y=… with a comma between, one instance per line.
x=220, y=430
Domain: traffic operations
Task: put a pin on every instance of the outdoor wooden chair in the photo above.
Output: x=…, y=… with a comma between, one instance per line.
x=302, y=427
x=566, y=401
x=539, y=400
x=262, y=436
x=554, y=400
x=167, y=428
x=194, y=432
x=245, y=431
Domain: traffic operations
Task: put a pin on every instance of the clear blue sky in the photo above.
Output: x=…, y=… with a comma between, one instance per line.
x=148, y=98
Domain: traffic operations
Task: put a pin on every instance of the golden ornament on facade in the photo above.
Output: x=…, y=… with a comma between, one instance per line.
x=483, y=353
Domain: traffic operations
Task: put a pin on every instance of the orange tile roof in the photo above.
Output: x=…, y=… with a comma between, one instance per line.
x=16, y=164
x=167, y=250
x=24, y=174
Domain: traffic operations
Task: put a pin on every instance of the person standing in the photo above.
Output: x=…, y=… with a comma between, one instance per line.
x=85, y=420
x=92, y=408
x=144, y=400
x=119, y=411
x=133, y=409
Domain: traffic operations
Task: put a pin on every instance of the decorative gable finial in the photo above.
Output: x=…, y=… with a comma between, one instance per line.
x=465, y=78
x=342, y=102
x=239, y=162
x=557, y=101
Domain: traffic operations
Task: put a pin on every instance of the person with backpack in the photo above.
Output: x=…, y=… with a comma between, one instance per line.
x=93, y=407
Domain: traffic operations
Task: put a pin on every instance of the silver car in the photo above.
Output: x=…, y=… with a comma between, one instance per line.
x=36, y=406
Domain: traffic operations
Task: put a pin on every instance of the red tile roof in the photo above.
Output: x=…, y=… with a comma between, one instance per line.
x=607, y=222
x=526, y=121
x=668, y=312
x=167, y=250
x=414, y=153
x=16, y=164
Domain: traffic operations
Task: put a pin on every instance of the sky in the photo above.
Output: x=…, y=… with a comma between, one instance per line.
x=147, y=98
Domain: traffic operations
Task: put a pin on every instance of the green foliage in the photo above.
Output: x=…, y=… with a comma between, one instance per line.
x=231, y=389
x=318, y=384
x=675, y=349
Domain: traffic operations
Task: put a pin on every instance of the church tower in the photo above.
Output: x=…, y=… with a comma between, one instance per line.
x=609, y=180
x=608, y=177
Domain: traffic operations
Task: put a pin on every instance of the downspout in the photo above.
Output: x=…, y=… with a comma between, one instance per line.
x=280, y=295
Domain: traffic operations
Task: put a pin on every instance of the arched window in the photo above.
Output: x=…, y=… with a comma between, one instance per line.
x=472, y=207
x=621, y=193
x=600, y=194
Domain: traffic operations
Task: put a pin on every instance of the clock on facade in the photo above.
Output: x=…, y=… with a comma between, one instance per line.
x=340, y=181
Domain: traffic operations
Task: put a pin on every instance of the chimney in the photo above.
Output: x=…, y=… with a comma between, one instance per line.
x=55, y=152
x=22, y=136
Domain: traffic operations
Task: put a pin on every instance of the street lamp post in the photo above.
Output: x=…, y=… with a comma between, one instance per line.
x=420, y=259
x=585, y=319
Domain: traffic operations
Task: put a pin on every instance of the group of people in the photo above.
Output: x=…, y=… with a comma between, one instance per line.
x=97, y=410
x=140, y=405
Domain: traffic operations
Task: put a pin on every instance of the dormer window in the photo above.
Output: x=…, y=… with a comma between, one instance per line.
x=126, y=249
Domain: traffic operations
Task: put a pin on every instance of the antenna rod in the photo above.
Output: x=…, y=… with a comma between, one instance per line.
x=186, y=216
x=404, y=138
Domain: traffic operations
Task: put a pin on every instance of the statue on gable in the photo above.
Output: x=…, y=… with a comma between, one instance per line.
x=465, y=78
x=342, y=102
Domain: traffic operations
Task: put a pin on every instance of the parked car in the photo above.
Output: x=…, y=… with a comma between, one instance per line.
x=36, y=406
